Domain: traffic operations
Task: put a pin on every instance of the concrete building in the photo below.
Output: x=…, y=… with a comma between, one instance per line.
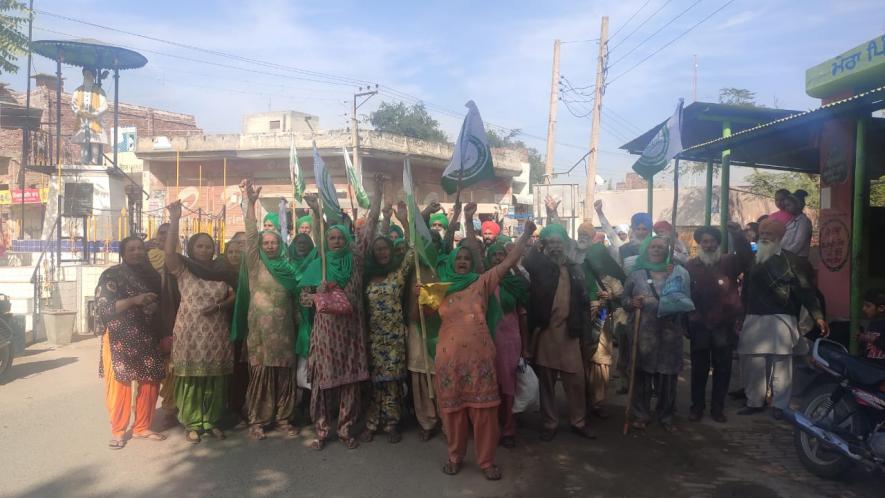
x=203, y=171
x=134, y=120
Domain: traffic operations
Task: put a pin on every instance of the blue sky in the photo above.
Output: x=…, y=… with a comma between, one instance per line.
x=497, y=53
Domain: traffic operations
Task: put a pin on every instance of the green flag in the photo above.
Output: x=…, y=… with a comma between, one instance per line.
x=419, y=233
x=472, y=158
x=295, y=171
x=326, y=188
x=362, y=198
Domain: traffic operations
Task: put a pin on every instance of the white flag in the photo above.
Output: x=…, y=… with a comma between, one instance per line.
x=472, y=158
x=665, y=145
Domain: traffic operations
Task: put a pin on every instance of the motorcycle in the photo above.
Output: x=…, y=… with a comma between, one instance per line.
x=842, y=421
x=7, y=347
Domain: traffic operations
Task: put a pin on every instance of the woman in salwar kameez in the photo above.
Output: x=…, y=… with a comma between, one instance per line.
x=263, y=315
x=659, y=358
x=466, y=382
x=338, y=360
x=386, y=274
x=202, y=357
x=510, y=338
x=127, y=298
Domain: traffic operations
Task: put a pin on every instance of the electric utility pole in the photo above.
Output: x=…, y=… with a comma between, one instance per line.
x=599, y=90
x=551, y=120
x=354, y=124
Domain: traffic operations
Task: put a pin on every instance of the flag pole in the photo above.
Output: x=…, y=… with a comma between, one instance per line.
x=322, y=241
x=422, y=329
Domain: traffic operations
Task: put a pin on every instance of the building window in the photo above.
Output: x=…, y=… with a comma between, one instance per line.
x=275, y=125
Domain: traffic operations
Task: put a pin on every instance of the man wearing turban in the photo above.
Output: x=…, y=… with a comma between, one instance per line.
x=489, y=231
x=718, y=307
x=775, y=289
x=556, y=314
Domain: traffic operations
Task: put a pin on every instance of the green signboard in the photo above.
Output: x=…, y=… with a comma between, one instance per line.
x=861, y=68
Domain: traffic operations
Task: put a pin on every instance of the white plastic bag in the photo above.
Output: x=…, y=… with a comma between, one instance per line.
x=302, y=377
x=527, y=397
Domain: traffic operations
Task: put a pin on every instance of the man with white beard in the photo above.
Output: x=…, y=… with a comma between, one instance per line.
x=775, y=289
x=711, y=327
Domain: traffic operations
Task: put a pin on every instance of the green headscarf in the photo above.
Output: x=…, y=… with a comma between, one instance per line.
x=375, y=269
x=460, y=281
x=273, y=218
x=441, y=218
x=504, y=239
x=398, y=230
x=554, y=230
x=513, y=289
x=305, y=315
x=302, y=220
x=339, y=263
x=282, y=271
x=598, y=262
x=642, y=262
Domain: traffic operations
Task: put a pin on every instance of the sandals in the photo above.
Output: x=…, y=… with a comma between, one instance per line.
x=350, y=442
x=257, y=432
x=492, y=473
x=426, y=435
x=318, y=444
x=451, y=468
x=116, y=444
x=639, y=425
x=508, y=442
x=548, y=434
x=150, y=436
x=367, y=436
x=394, y=436
x=291, y=430
x=217, y=433
x=192, y=437
x=669, y=428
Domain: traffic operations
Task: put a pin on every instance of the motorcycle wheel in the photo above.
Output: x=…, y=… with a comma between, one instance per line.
x=819, y=460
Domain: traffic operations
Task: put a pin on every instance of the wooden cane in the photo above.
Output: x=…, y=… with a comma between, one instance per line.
x=633, y=355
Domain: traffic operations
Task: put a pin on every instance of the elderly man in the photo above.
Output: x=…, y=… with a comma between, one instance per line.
x=711, y=327
x=556, y=314
x=775, y=289
x=489, y=231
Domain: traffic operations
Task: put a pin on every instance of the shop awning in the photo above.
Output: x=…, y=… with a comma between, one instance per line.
x=791, y=143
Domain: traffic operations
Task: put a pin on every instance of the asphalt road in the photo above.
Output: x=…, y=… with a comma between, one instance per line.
x=54, y=432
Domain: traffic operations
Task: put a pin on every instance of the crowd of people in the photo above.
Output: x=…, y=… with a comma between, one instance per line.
x=277, y=330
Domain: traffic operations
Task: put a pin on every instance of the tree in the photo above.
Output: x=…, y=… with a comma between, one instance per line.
x=737, y=96
x=766, y=183
x=877, y=192
x=536, y=164
x=412, y=121
x=12, y=41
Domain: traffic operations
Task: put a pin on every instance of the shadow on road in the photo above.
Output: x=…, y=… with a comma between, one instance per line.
x=22, y=370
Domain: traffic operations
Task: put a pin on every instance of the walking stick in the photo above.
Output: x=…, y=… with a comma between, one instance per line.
x=633, y=354
x=322, y=240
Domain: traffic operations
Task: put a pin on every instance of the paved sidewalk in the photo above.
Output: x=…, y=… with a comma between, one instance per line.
x=54, y=432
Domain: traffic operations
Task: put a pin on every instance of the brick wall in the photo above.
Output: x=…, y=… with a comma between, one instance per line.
x=146, y=120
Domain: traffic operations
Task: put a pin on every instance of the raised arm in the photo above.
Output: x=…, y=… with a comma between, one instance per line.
x=449, y=241
x=313, y=203
x=369, y=229
x=469, y=213
x=402, y=215
x=552, y=206
x=429, y=210
x=386, y=214
x=496, y=273
x=250, y=196
x=173, y=260
x=607, y=227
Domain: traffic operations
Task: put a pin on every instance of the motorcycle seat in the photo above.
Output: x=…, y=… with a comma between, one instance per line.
x=860, y=370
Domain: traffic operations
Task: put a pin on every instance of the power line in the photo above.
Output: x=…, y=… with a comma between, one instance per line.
x=634, y=66
x=671, y=21
x=628, y=20
x=641, y=25
x=623, y=120
x=340, y=79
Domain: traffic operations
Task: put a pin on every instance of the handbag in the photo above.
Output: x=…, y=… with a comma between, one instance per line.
x=332, y=301
x=527, y=395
